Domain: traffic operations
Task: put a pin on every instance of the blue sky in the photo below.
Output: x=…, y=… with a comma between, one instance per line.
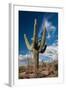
x=26, y=26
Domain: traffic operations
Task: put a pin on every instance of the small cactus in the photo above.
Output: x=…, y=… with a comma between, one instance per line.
x=37, y=46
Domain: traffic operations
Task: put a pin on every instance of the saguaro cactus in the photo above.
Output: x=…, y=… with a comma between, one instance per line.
x=37, y=46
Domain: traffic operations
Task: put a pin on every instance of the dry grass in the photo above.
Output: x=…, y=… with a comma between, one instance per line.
x=45, y=70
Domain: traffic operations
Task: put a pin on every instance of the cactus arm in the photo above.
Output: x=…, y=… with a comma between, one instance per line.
x=35, y=40
x=27, y=42
x=42, y=44
x=43, y=50
x=37, y=46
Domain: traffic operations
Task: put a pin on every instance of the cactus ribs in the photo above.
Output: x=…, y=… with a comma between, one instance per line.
x=37, y=46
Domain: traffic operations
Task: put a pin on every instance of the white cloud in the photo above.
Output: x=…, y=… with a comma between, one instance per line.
x=53, y=27
x=51, y=53
x=47, y=24
x=24, y=57
x=50, y=28
x=55, y=43
x=48, y=36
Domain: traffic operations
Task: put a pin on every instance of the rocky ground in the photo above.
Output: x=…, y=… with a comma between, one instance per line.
x=46, y=69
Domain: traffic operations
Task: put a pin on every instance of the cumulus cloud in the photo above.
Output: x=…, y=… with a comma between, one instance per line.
x=24, y=59
x=50, y=54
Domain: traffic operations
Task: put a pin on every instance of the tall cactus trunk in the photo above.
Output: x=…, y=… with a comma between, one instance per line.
x=37, y=46
x=36, y=61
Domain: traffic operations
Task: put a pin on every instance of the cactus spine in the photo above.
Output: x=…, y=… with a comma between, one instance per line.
x=37, y=46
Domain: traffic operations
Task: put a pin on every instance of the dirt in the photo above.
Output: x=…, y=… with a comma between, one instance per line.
x=45, y=70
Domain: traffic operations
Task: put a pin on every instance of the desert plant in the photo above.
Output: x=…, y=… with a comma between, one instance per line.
x=37, y=46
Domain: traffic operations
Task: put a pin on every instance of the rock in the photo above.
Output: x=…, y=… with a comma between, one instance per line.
x=45, y=73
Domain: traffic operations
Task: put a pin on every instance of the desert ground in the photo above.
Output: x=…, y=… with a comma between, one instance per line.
x=46, y=69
